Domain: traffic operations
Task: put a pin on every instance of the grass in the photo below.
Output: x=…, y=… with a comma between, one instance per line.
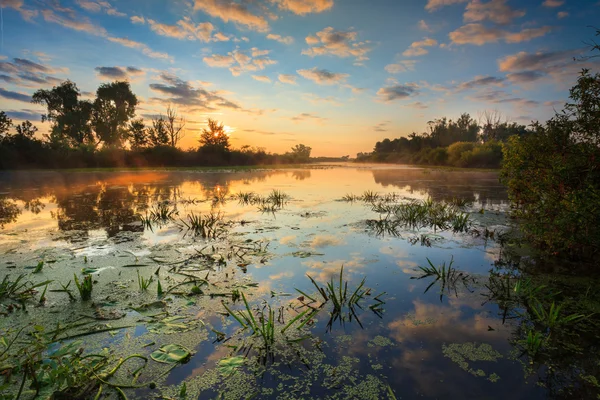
x=245, y=198
x=206, y=226
x=551, y=316
x=447, y=275
x=263, y=324
x=144, y=283
x=85, y=287
x=162, y=212
x=369, y=196
x=19, y=289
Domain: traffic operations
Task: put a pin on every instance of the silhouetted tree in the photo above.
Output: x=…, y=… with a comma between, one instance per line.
x=5, y=125
x=114, y=106
x=26, y=130
x=214, y=138
x=138, y=134
x=158, y=133
x=174, y=125
x=70, y=117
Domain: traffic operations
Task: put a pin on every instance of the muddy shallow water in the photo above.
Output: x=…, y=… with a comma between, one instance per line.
x=423, y=341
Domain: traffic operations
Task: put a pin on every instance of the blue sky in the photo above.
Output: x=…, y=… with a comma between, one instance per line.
x=337, y=75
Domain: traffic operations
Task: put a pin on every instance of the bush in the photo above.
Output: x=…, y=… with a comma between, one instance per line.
x=553, y=177
x=456, y=150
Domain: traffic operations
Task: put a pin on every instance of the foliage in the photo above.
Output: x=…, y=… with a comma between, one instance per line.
x=213, y=138
x=553, y=178
x=113, y=108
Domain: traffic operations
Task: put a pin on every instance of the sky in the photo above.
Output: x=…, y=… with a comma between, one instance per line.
x=336, y=75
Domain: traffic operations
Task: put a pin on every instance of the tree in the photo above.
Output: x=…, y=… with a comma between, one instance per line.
x=26, y=130
x=158, y=135
x=113, y=108
x=174, y=125
x=553, y=175
x=214, y=138
x=5, y=125
x=300, y=153
x=70, y=117
x=138, y=134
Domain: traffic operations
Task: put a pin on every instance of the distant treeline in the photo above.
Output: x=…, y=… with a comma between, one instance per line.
x=461, y=143
x=106, y=133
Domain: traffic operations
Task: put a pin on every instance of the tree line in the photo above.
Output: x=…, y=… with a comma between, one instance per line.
x=105, y=132
x=465, y=142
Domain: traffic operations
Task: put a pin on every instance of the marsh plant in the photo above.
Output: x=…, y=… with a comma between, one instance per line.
x=144, y=283
x=84, y=287
x=447, y=276
x=206, y=226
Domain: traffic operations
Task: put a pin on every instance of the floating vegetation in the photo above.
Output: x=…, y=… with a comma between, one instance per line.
x=171, y=354
x=463, y=353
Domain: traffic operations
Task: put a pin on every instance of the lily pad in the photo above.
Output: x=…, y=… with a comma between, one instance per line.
x=170, y=325
x=171, y=354
x=229, y=366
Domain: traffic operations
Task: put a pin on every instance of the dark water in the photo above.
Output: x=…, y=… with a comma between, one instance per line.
x=423, y=344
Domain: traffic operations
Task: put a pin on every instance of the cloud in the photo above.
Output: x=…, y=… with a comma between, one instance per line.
x=535, y=61
x=25, y=114
x=281, y=39
x=401, y=66
x=337, y=43
x=397, y=92
x=22, y=71
x=525, y=76
x=183, y=93
x=320, y=241
x=239, y=61
x=424, y=27
x=17, y=5
x=308, y=117
x=480, y=81
x=261, y=78
x=479, y=35
x=562, y=14
x=286, y=78
x=7, y=94
x=382, y=126
x=118, y=72
x=314, y=99
x=418, y=48
x=99, y=6
x=231, y=11
x=303, y=7
x=140, y=46
x=186, y=29
x=433, y=5
x=553, y=3
x=417, y=104
x=83, y=24
x=500, y=97
x=323, y=76
x=494, y=10
x=137, y=20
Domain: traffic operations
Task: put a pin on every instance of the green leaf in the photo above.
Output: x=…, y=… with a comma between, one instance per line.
x=228, y=366
x=170, y=325
x=171, y=354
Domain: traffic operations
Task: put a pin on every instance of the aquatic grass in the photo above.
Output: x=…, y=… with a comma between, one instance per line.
x=369, y=196
x=533, y=342
x=143, y=283
x=350, y=198
x=447, y=275
x=147, y=221
x=551, y=317
x=38, y=267
x=163, y=212
x=460, y=202
x=206, y=226
x=278, y=198
x=262, y=325
x=460, y=222
x=245, y=198
x=20, y=288
x=85, y=287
